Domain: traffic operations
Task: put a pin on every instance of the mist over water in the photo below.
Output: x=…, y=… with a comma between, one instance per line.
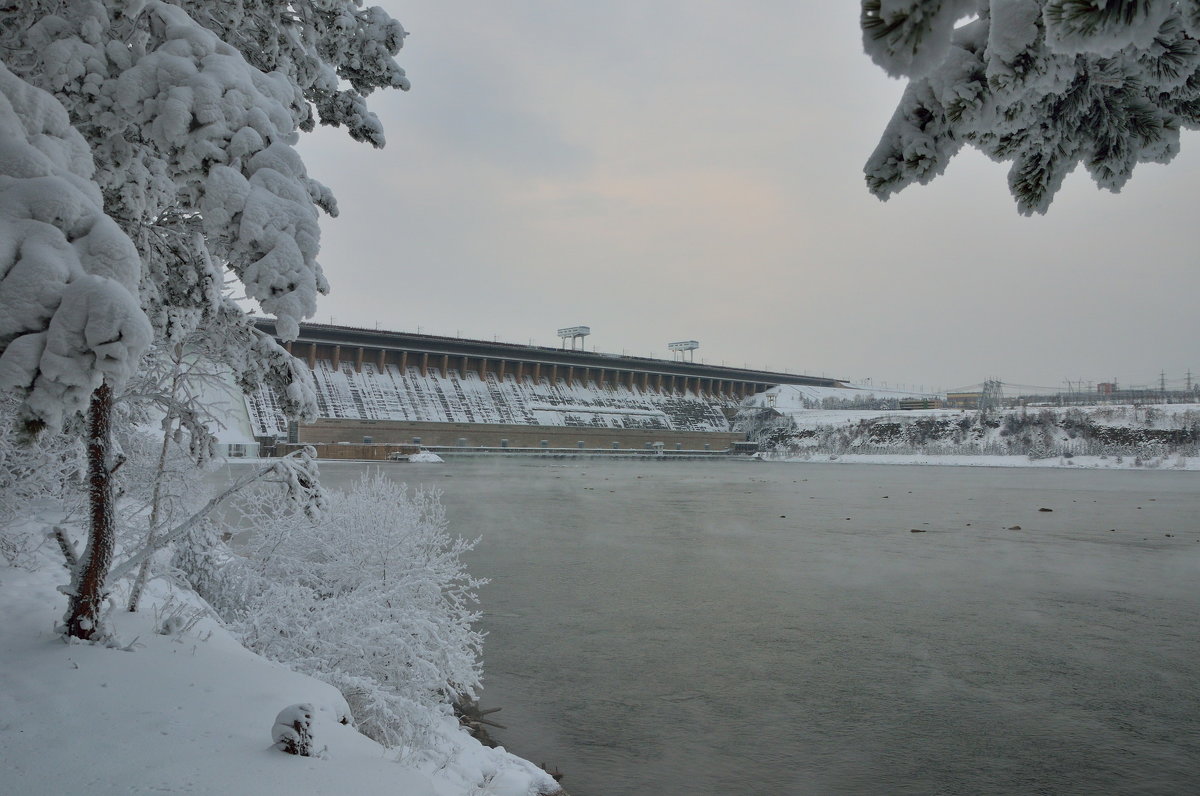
x=750, y=628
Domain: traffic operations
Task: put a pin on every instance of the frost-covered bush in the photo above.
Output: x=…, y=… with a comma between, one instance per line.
x=45, y=467
x=44, y=471
x=372, y=598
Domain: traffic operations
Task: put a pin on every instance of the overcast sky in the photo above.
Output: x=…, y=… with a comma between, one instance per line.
x=670, y=170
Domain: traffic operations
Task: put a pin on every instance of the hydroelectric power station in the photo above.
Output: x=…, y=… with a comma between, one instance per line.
x=381, y=388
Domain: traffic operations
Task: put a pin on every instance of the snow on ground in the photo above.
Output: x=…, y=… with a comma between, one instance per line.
x=790, y=402
x=815, y=418
x=345, y=392
x=1071, y=436
x=1082, y=462
x=426, y=457
x=192, y=712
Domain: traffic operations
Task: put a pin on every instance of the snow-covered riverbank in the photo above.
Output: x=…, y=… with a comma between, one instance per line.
x=1103, y=436
x=190, y=710
x=1081, y=462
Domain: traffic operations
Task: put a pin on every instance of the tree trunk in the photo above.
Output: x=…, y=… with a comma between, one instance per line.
x=87, y=592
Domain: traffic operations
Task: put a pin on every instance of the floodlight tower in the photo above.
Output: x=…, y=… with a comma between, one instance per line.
x=682, y=348
x=575, y=333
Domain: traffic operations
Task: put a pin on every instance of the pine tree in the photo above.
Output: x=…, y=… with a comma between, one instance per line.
x=150, y=150
x=1044, y=84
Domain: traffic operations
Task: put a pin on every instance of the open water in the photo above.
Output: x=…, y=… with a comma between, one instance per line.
x=741, y=628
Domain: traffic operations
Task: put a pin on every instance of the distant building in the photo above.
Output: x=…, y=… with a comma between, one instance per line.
x=963, y=400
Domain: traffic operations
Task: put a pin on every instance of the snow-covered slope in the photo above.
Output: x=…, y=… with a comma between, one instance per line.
x=1041, y=432
x=394, y=395
x=192, y=712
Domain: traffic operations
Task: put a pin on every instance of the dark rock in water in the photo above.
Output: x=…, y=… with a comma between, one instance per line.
x=472, y=717
x=783, y=516
x=916, y=530
x=1014, y=527
x=1045, y=509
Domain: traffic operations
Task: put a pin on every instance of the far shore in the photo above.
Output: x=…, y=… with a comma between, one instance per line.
x=1166, y=463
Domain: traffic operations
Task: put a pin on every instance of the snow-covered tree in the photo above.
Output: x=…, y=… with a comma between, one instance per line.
x=70, y=319
x=1045, y=84
x=379, y=588
x=148, y=151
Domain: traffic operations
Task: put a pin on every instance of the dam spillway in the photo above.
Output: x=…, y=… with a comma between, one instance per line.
x=397, y=387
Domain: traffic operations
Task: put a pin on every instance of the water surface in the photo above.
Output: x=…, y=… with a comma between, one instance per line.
x=752, y=628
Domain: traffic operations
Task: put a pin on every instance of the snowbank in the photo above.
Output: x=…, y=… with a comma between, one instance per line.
x=1081, y=462
x=426, y=457
x=192, y=712
x=1139, y=433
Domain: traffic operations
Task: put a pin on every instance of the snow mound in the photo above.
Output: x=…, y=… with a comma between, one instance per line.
x=426, y=457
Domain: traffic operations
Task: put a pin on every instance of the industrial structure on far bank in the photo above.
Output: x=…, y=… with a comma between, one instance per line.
x=379, y=388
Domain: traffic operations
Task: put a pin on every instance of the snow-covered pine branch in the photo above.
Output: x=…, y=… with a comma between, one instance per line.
x=335, y=51
x=69, y=313
x=1044, y=84
x=181, y=123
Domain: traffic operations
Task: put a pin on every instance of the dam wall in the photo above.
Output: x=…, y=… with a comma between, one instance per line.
x=397, y=387
x=390, y=394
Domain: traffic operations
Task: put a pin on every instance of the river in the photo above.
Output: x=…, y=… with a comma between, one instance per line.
x=674, y=627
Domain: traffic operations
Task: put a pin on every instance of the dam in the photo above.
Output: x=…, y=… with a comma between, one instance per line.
x=384, y=387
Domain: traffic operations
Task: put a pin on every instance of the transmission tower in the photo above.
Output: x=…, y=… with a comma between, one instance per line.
x=992, y=397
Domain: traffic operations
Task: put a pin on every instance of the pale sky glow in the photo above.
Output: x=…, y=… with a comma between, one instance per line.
x=663, y=171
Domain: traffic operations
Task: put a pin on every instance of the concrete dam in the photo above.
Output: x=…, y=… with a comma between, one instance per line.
x=396, y=388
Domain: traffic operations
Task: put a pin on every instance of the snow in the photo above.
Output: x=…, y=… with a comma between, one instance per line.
x=789, y=398
x=912, y=36
x=1126, y=25
x=1081, y=462
x=191, y=711
x=69, y=311
x=426, y=457
x=1116, y=415
x=391, y=394
x=1046, y=84
x=1103, y=436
